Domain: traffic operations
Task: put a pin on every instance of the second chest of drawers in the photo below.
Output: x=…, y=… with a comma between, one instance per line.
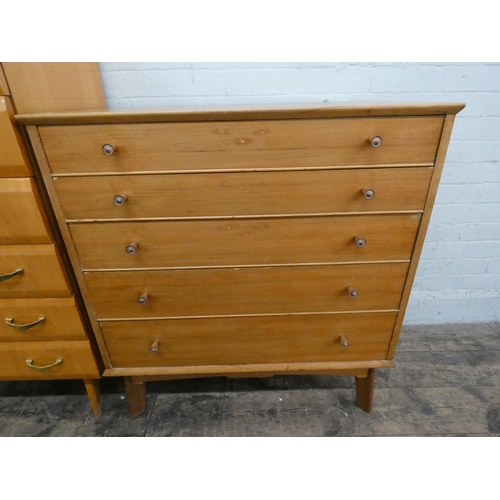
x=245, y=243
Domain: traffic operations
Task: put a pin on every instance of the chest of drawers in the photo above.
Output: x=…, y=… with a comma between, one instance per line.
x=42, y=334
x=245, y=242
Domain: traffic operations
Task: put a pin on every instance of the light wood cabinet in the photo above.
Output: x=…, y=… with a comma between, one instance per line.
x=245, y=242
x=43, y=334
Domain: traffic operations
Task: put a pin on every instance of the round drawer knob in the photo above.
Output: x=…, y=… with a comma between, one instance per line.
x=344, y=342
x=368, y=193
x=154, y=347
x=360, y=242
x=108, y=150
x=120, y=200
x=132, y=248
x=143, y=299
x=352, y=292
x=376, y=142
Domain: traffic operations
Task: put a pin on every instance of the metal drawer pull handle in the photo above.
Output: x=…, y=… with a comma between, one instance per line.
x=143, y=299
x=29, y=362
x=10, y=322
x=368, y=193
x=154, y=347
x=4, y=277
x=344, y=342
x=132, y=248
x=120, y=200
x=353, y=293
x=376, y=142
x=360, y=242
x=108, y=150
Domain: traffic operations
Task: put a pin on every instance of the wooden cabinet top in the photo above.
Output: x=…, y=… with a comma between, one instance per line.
x=242, y=112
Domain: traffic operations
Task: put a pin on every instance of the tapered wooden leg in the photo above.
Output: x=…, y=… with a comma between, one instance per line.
x=136, y=397
x=94, y=393
x=364, y=390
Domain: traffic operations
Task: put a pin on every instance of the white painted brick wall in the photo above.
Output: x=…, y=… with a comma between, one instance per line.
x=458, y=279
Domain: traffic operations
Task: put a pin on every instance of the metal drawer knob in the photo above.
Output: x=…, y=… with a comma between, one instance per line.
x=360, y=242
x=108, y=150
x=132, y=248
x=120, y=200
x=352, y=292
x=143, y=299
x=154, y=347
x=368, y=193
x=376, y=142
x=344, y=342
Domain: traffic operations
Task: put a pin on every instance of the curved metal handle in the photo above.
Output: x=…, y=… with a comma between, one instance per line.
x=108, y=149
x=27, y=326
x=360, y=242
x=29, y=362
x=4, y=277
x=376, y=142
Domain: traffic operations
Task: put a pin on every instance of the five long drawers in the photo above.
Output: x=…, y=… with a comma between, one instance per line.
x=241, y=144
x=244, y=340
x=219, y=242
x=239, y=194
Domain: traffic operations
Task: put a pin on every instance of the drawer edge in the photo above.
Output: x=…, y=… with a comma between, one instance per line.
x=251, y=370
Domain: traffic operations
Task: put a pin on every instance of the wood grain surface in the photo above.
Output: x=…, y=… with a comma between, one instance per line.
x=14, y=160
x=239, y=112
x=62, y=319
x=241, y=145
x=78, y=361
x=22, y=215
x=211, y=292
x=271, y=339
x=243, y=194
x=245, y=242
x=40, y=87
x=42, y=274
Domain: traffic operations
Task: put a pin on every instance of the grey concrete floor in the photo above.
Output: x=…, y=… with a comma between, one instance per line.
x=446, y=383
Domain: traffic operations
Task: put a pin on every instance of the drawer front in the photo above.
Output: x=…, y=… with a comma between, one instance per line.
x=227, y=242
x=241, y=144
x=268, y=290
x=40, y=319
x=21, y=213
x=243, y=193
x=13, y=158
x=74, y=360
x=42, y=272
x=216, y=341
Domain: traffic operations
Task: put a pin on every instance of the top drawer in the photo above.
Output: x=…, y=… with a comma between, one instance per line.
x=262, y=144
